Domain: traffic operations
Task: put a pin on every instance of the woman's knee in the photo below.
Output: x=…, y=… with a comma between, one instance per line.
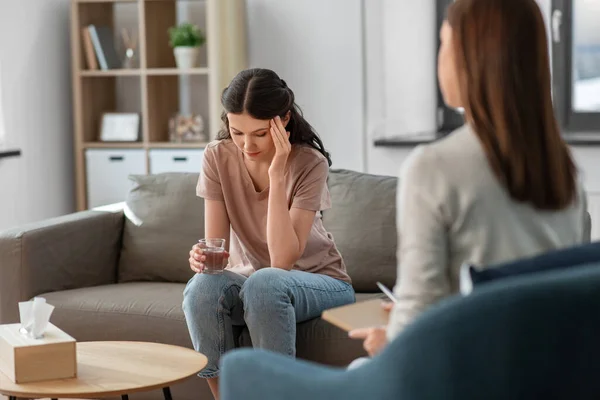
x=263, y=286
x=202, y=291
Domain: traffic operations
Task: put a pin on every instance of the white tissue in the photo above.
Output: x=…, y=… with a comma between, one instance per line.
x=35, y=316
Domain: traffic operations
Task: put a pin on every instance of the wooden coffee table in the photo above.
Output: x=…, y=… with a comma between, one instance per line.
x=107, y=369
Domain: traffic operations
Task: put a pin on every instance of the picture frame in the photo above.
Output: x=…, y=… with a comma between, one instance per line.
x=120, y=127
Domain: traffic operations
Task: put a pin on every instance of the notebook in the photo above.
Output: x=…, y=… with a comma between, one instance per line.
x=364, y=314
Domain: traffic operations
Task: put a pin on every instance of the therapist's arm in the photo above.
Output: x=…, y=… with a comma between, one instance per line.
x=422, y=252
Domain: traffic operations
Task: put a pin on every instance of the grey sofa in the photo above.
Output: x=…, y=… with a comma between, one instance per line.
x=119, y=275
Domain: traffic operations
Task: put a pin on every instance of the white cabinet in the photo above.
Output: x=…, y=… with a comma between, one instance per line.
x=175, y=160
x=108, y=173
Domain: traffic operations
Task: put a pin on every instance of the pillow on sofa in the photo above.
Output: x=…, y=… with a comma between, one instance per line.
x=163, y=220
x=472, y=277
x=362, y=221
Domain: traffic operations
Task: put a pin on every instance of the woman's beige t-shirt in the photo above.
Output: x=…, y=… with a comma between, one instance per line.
x=224, y=177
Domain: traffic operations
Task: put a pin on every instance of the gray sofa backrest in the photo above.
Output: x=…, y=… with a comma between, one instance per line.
x=164, y=218
x=363, y=223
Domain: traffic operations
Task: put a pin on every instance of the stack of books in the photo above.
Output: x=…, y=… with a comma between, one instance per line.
x=99, y=48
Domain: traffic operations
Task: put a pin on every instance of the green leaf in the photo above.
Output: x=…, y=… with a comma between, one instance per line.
x=186, y=35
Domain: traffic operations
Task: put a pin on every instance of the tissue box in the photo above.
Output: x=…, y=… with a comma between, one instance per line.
x=23, y=359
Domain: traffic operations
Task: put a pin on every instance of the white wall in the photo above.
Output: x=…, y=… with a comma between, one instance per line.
x=36, y=94
x=2, y=126
x=316, y=47
x=401, y=68
x=352, y=92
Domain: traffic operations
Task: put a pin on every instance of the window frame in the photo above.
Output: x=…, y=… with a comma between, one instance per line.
x=448, y=119
x=561, y=37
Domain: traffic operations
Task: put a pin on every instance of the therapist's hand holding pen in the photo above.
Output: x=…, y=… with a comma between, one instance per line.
x=375, y=338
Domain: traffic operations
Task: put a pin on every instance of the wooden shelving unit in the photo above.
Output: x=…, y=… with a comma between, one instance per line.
x=113, y=145
x=176, y=71
x=157, y=84
x=116, y=72
x=168, y=145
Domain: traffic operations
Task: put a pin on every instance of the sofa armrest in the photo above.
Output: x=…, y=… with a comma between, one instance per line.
x=73, y=251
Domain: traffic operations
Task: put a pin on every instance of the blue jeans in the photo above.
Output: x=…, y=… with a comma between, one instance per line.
x=270, y=303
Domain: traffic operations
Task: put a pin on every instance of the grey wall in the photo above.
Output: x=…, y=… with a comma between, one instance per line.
x=36, y=93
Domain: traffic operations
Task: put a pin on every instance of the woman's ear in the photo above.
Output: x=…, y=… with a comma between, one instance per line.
x=285, y=120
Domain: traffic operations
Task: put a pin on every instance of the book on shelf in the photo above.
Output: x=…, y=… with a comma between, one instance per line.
x=104, y=45
x=88, y=49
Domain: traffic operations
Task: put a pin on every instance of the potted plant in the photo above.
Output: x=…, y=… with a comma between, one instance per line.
x=186, y=40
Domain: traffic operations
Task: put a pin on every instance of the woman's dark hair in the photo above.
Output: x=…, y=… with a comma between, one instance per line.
x=501, y=51
x=264, y=95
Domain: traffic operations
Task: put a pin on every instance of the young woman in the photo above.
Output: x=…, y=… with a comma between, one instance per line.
x=500, y=188
x=264, y=182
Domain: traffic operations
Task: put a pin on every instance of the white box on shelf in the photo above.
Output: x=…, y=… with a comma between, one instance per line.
x=120, y=127
x=108, y=173
x=175, y=160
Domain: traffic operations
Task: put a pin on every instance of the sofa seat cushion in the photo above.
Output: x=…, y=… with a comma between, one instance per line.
x=151, y=311
x=138, y=311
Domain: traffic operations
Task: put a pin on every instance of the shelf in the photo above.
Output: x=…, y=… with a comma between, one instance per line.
x=171, y=145
x=175, y=71
x=140, y=145
x=154, y=88
x=10, y=153
x=111, y=72
x=105, y=1
x=582, y=138
x=410, y=140
x=113, y=145
x=402, y=142
x=149, y=72
x=173, y=1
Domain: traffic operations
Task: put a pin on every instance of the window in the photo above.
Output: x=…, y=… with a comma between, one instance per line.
x=575, y=35
x=575, y=40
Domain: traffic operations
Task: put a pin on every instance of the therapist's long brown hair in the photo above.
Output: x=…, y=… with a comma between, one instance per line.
x=504, y=74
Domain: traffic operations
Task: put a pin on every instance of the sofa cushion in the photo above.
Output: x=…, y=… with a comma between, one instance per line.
x=138, y=311
x=164, y=218
x=151, y=311
x=363, y=223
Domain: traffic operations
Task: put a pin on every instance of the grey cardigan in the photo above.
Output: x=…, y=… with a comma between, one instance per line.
x=451, y=209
